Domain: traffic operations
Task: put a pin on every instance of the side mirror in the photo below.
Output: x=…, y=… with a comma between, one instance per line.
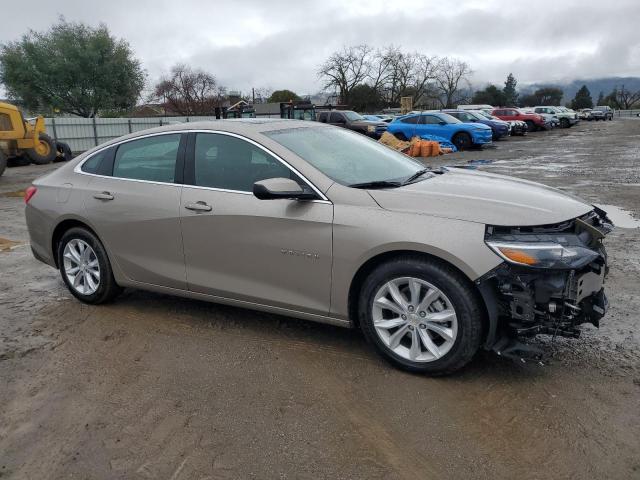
x=442, y=122
x=275, y=188
x=341, y=121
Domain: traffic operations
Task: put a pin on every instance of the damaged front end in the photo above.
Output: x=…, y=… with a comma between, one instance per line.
x=550, y=283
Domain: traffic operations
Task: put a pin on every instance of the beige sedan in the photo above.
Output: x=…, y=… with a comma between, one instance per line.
x=323, y=224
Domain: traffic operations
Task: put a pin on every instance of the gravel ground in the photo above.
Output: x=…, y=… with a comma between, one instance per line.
x=153, y=386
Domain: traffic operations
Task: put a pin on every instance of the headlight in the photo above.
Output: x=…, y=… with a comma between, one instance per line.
x=371, y=128
x=543, y=254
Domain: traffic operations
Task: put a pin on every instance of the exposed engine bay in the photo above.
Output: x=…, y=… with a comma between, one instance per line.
x=550, y=283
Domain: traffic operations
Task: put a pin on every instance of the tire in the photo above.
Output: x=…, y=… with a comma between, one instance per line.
x=44, y=152
x=3, y=162
x=400, y=136
x=106, y=288
x=453, y=292
x=531, y=127
x=64, y=152
x=564, y=123
x=20, y=161
x=462, y=141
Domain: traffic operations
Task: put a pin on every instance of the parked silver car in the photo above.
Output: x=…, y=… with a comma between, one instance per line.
x=320, y=223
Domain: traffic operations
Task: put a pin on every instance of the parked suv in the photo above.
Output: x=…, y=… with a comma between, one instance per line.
x=533, y=120
x=499, y=128
x=319, y=223
x=602, y=112
x=353, y=121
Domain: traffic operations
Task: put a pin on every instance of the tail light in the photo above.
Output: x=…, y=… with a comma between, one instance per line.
x=29, y=193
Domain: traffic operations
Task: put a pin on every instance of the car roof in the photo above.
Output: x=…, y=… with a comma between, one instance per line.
x=242, y=126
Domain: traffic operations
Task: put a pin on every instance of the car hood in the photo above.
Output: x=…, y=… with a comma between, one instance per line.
x=483, y=197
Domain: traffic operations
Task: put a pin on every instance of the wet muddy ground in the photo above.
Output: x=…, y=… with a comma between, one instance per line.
x=158, y=387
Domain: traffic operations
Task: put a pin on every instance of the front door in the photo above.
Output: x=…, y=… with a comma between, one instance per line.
x=275, y=252
x=135, y=208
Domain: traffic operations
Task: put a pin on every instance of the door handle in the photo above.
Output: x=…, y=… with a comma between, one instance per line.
x=198, y=206
x=103, y=196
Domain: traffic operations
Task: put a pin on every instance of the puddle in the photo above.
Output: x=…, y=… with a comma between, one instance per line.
x=621, y=218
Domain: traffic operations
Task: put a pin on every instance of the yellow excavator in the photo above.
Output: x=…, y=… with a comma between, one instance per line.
x=20, y=138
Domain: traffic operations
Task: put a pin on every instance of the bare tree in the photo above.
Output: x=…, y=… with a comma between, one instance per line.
x=400, y=74
x=627, y=99
x=452, y=79
x=189, y=92
x=345, y=69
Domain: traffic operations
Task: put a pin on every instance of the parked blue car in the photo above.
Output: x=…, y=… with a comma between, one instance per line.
x=499, y=128
x=462, y=135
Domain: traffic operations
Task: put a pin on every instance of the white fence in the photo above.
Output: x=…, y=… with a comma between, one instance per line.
x=84, y=133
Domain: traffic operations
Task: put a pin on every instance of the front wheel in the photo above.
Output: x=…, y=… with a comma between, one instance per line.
x=531, y=127
x=564, y=123
x=462, y=141
x=420, y=315
x=85, y=268
x=44, y=150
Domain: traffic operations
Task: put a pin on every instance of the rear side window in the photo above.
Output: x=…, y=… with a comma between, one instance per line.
x=430, y=120
x=336, y=117
x=410, y=120
x=92, y=165
x=152, y=159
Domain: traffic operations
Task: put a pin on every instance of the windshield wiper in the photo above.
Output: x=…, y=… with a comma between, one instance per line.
x=376, y=184
x=416, y=175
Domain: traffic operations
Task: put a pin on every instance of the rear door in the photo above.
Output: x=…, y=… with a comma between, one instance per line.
x=133, y=202
x=273, y=252
x=337, y=119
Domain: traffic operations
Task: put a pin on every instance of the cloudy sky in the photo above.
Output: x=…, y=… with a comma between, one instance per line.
x=279, y=44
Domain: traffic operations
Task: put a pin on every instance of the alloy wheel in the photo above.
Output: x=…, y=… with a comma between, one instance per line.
x=81, y=266
x=414, y=319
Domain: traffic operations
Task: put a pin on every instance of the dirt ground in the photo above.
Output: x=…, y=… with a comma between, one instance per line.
x=158, y=387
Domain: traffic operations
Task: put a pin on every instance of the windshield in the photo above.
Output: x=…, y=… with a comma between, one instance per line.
x=346, y=157
x=477, y=115
x=353, y=116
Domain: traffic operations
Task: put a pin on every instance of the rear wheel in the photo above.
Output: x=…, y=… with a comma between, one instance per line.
x=85, y=268
x=462, y=141
x=400, y=136
x=64, y=153
x=531, y=127
x=421, y=316
x=44, y=151
x=564, y=123
x=3, y=162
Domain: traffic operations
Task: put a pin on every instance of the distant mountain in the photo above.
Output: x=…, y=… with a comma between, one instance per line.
x=595, y=86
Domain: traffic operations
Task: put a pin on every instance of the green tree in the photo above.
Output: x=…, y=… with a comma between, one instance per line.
x=509, y=91
x=600, y=98
x=542, y=96
x=283, y=96
x=491, y=95
x=582, y=99
x=73, y=68
x=611, y=99
x=365, y=98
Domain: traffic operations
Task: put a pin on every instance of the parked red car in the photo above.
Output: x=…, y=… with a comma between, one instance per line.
x=533, y=120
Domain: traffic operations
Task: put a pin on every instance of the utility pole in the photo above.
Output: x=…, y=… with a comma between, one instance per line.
x=253, y=95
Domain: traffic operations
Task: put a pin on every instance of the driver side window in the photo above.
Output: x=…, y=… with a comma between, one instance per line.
x=231, y=163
